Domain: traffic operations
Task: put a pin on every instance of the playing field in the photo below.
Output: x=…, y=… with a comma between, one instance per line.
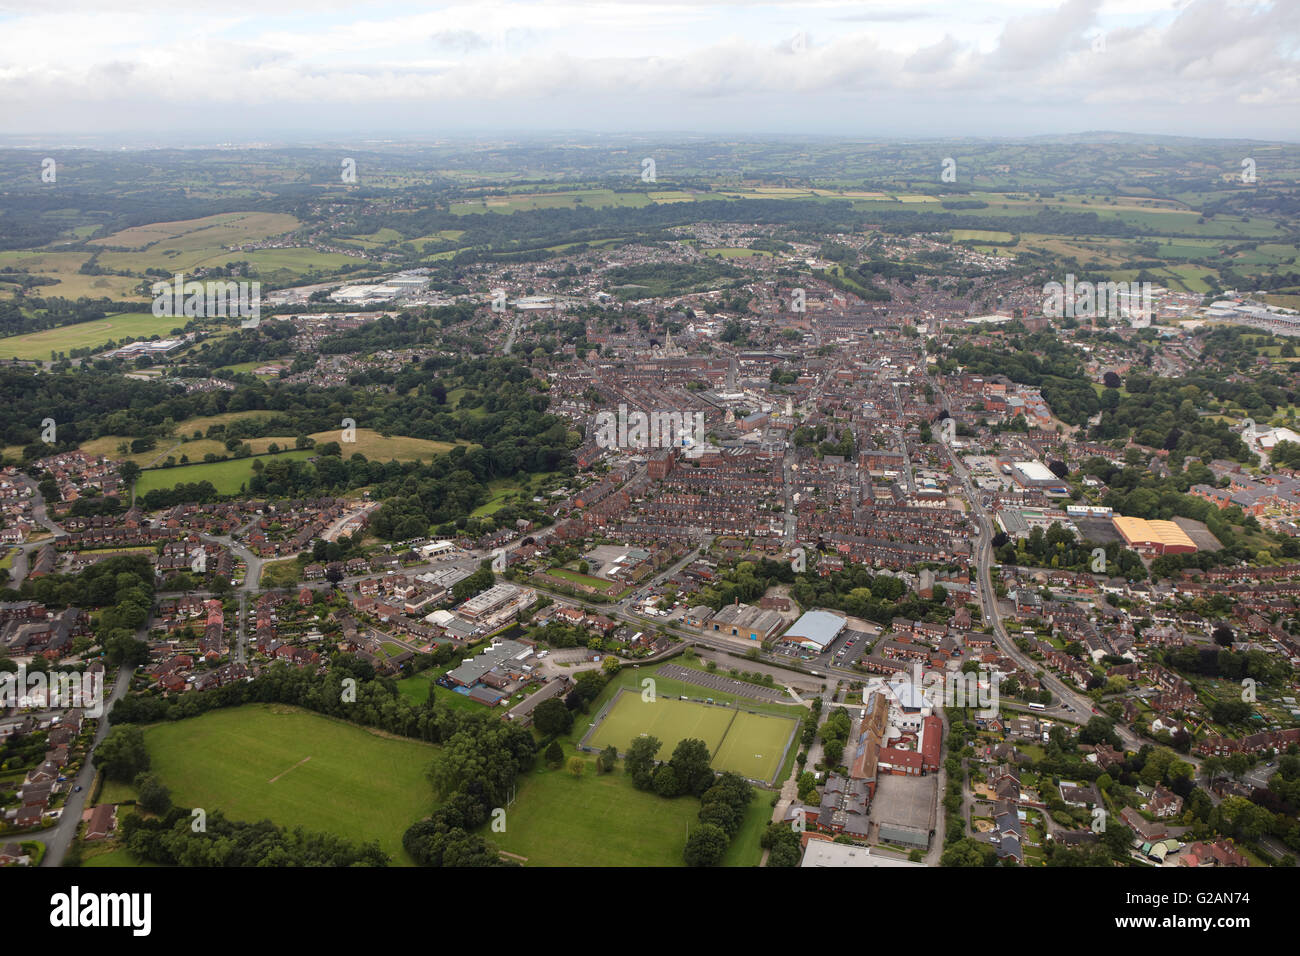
x=754, y=745
x=594, y=820
x=83, y=335
x=296, y=768
x=745, y=743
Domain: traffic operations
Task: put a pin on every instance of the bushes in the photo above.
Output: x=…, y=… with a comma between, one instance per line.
x=722, y=809
x=226, y=843
x=782, y=844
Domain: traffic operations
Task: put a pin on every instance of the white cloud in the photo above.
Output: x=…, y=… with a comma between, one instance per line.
x=1185, y=65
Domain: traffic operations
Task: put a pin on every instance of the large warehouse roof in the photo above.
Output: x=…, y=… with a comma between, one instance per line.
x=1035, y=471
x=815, y=629
x=1162, y=534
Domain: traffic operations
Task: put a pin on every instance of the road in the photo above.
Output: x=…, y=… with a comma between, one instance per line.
x=1081, y=704
x=58, y=838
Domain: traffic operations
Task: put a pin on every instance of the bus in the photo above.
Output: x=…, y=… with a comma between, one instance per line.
x=1038, y=707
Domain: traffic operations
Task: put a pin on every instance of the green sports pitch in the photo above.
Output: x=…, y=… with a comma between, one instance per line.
x=749, y=744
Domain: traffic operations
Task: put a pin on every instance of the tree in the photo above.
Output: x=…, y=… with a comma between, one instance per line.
x=967, y=852
x=640, y=761
x=554, y=754
x=690, y=763
x=129, y=471
x=1099, y=730
x=705, y=846
x=1117, y=838
x=608, y=759
x=121, y=647
x=782, y=844
x=122, y=755
x=575, y=766
x=552, y=718
x=666, y=781
x=152, y=794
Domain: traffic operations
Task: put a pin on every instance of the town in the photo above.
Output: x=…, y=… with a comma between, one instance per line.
x=651, y=501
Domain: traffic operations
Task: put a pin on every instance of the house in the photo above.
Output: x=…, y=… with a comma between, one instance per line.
x=1008, y=832
x=101, y=822
x=1146, y=830
x=1164, y=803
x=1080, y=796
x=1219, y=853
x=12, y=854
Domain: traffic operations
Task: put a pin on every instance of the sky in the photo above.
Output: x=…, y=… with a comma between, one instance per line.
x=287, y=70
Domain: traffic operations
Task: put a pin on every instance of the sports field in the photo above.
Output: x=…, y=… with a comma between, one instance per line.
x=594, y=820
x=296, y=768
x=745, y=743
x=83, y=335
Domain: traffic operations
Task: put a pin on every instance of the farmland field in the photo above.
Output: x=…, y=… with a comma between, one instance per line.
x=369, y=443
x=297, y=769
x=226, y=476
x=980, y=235
x=221, y=230
x=749, y=744
x=82, y=335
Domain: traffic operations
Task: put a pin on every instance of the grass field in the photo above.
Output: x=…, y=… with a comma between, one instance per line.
x=226, y=476
x=594, y=820
x=577, y=577
x=83, y=335
x=369, y=443
x=748, y=744
x=297, y=769
x=980, y=235
x=281, y=574
x=754, y=745
x=115, y=858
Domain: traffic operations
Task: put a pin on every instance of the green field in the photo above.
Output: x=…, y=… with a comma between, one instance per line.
x=754, y=745
x=577, y=577
x=84, y=335
x=594, y=820
x=226, y=476
x=297, y=769
x=369, y=443
x=748, y=744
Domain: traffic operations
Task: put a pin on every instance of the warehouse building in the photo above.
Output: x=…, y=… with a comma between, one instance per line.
x=1153, y=537
x=815, y=630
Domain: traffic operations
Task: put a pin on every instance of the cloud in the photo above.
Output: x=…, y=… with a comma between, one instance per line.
x=459, y=41
x=1187, y=68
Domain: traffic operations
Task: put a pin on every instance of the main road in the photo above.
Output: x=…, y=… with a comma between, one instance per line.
x=989, y=604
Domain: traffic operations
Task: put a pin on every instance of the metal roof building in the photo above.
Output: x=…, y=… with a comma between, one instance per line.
x=815, y=630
